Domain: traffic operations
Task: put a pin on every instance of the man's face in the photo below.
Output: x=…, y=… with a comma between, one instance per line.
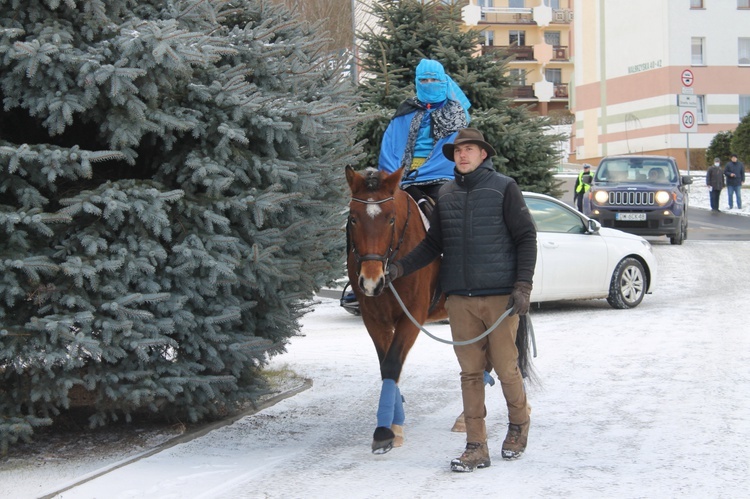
x=468, y=157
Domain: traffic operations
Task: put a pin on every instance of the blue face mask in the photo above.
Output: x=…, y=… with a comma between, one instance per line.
x=432, y=92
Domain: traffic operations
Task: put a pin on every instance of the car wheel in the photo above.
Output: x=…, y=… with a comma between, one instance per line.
x=628, y=285
x=680, y=237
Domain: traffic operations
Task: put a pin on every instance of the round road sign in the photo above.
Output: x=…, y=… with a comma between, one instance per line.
x=687, y=77
x=688, y=120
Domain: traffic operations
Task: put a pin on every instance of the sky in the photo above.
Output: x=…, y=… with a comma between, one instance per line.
x=650, y=402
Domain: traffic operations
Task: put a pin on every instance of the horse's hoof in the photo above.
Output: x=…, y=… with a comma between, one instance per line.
x=382, y=440
x=398, y=432
x=460, y=425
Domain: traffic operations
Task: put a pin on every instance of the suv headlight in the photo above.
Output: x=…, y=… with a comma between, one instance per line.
x=601, y=197
x=662, y=198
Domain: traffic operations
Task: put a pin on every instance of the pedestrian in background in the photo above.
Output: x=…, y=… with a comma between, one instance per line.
x=734, y=171
x=715, y=183
x=583, y=185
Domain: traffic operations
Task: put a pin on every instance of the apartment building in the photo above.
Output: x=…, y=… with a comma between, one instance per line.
x=658, y=76
x=537, y=33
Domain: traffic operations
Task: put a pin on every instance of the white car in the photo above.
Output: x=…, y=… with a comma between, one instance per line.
x=580, y=259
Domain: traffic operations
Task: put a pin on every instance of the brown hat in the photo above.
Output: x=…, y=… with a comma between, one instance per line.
x=470, y=136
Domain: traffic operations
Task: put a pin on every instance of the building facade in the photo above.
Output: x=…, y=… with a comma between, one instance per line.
x=537, y=33
x=658, y=76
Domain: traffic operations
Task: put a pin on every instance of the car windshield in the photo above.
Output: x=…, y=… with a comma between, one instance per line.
x=636, y=171
x=550, y=217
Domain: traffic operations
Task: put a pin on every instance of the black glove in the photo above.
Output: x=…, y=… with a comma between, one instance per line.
x=520, y=298
x=393, y=272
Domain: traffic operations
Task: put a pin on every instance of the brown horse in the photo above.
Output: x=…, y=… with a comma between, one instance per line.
x=385, y=224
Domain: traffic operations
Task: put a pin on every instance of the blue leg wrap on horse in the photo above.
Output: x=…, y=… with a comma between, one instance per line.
x=398, y=410
x=387, y=404
x=488, y=379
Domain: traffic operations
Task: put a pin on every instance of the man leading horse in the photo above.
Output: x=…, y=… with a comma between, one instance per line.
x=486, y=236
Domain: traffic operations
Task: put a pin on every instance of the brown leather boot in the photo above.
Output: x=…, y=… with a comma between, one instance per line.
x=516, y=439
x=476, y=455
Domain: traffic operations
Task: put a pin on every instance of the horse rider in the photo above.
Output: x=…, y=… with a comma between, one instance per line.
x=420, y=128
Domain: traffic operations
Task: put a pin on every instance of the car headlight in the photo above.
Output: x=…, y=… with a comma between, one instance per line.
x=601, y=197
x=662, y=197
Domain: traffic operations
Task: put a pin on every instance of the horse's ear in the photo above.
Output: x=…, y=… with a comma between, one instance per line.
x=351, y=176
x=393, y=181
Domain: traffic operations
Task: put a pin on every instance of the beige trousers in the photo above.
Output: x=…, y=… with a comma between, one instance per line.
x=469, y=318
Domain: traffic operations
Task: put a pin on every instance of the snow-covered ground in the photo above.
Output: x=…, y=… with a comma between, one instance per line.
x=648, y=402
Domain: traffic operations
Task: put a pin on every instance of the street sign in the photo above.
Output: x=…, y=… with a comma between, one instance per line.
x=688, y=121
x=687, y=78
x=686, y=100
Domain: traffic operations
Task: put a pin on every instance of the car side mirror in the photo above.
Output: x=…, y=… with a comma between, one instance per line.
x=593, y=226
x=687, y=179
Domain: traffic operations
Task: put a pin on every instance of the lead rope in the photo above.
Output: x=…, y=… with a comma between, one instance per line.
x=449, y=342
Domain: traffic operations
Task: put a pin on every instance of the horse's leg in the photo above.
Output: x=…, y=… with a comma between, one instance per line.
x=390, y=409
x=397, y=427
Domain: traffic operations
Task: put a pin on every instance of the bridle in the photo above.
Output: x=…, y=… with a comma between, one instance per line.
x=391, y=252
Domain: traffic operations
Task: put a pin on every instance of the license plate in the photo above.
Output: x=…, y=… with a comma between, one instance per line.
x=630, y=217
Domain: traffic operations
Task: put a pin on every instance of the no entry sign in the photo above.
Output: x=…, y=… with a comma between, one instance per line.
x=687, y=77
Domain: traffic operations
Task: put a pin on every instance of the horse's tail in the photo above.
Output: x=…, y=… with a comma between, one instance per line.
x=526, y=345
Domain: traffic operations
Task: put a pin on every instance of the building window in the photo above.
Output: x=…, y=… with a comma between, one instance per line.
x=696, y=4
x=516, y=4
x=483, y=4
x=700, y=110
x=554, y=4
x=744, y=105
x=743, y=51
x=553, y=76
x=518, y=38
x=489, y=38
x=517, y=77
x=743, y=4
x=552, y=38
x=697, y=48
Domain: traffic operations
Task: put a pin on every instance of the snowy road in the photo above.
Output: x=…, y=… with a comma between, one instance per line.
x=649, y=402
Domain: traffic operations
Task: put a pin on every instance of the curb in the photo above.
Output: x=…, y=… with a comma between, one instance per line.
x=181, y=439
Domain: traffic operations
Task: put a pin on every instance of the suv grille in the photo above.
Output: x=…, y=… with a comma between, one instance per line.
x=629, y=198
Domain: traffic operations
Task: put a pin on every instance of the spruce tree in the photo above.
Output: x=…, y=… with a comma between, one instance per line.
x=410, y=30
x=741, y=140
x=720, y=147
x=171, y=193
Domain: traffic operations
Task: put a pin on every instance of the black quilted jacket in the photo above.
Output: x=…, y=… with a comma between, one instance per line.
x=484, y=231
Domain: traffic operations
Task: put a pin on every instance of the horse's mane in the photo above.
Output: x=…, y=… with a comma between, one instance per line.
x=372, y=179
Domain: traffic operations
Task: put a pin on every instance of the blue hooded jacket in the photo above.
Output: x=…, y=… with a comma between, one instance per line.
x=447, y=109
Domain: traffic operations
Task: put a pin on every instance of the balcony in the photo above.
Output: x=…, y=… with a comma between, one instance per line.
x=523, y=53
x=561, y=91
x=522, y=92
x=562, y=16
x=559, y=53
x=506, y=15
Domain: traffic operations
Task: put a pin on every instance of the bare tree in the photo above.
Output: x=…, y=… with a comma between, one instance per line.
x=336, y=17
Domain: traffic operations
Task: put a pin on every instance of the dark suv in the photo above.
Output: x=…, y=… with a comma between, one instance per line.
x=644, y=195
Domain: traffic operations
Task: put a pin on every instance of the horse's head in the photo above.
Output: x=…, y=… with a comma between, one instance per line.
x=373, y=235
